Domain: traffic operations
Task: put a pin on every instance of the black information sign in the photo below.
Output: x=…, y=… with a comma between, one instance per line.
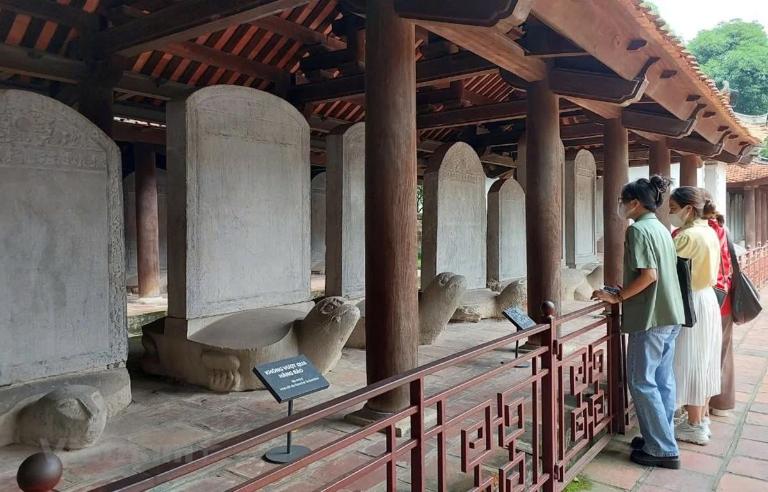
x=287, y=380
x=292, y=378
x=518, y=318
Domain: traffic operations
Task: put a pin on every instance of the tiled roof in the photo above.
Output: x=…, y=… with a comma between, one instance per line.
x=677, y=47
x=745, y=174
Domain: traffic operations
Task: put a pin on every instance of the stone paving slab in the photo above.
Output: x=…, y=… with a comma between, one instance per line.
x=737, y=457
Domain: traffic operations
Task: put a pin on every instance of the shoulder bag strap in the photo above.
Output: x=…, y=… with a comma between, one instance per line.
x=734, y=259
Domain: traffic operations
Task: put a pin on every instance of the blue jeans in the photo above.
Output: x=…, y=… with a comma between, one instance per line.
x=651, y=378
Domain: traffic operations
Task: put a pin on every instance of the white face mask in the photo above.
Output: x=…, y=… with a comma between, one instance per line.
x=679, y=218
x=622, y=211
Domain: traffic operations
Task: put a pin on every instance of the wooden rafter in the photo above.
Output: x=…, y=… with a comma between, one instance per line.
x=54, y=12
x=221, y=59
x=185, y=20
x=297, y=32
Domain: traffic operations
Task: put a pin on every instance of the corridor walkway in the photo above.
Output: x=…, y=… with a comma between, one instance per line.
x=737, y=457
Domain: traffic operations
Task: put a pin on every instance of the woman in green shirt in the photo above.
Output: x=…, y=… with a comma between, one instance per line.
x=652, y=309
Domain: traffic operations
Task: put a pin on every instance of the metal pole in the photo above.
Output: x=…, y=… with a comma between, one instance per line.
x=288, y=438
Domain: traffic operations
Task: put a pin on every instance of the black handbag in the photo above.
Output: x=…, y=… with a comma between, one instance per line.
x=684, y=278
x=745, y=299
x=721, y=294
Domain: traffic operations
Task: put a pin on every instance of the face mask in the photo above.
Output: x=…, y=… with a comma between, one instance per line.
x=622, y=211
x=678, y=219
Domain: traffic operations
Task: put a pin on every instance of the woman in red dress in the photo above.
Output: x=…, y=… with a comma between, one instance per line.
x=722, y=404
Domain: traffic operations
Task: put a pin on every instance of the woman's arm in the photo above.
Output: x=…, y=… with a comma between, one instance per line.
x=647, y=277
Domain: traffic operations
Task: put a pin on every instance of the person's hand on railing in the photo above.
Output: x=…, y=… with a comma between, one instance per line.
x=606, y=296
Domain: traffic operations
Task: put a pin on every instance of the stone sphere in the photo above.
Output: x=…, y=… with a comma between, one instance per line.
x=39, y=473
x=71, y=417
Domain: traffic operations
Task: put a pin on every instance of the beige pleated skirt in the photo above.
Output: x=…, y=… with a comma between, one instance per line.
x=697, y=352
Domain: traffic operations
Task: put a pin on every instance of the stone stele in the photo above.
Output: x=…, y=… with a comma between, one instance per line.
x=62, y=260
x=318, y=222
x=580, y=209
x=71, y=417
x=239, y=244
x=506, y=232
x=345, y=223
x=455, y=220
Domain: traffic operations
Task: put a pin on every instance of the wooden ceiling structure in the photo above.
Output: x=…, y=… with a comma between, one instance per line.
x=606, y=60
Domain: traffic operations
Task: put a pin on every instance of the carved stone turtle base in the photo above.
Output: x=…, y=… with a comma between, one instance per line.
x=437, y=303
x=222, y=354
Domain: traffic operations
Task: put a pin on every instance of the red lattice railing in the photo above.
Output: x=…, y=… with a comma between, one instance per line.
x=755, y=264
x=478, y=421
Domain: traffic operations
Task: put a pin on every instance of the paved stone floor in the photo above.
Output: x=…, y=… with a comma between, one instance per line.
x=167, y=420
x=737, y=457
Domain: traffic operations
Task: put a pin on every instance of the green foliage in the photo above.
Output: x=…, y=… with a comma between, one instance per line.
x=578, y=484
x=736, y=51
x=419, y=200
x=764, y=151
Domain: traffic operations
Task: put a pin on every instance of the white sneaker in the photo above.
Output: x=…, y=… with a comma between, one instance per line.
x=696, y=434
x=706, y=423
x=720, y=413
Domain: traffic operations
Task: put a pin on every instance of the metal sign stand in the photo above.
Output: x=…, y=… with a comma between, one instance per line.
x=288, y=453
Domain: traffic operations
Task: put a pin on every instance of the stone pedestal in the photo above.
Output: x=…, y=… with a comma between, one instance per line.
x=345, y=213
x=62, y=299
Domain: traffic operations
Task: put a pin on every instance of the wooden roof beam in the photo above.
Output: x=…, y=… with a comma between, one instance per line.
x=541, y=42
x=597, y=86
x=221, y=59
x=493, y=44
x=53, y=67
x=479, y=13
x=428, y=72
x=474, y=115
x=660, y=124
x=54, y=12
x=297, y=32
x=185, y=20
x=693, y=145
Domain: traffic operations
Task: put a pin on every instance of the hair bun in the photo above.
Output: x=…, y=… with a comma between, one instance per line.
x=660, y=183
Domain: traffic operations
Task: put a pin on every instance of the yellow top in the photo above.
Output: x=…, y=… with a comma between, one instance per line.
x=699, y=242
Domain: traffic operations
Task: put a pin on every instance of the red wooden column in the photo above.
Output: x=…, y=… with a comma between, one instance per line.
x=660, y=163
x=764, y=214
x=749, y=217
x=758, y=217
x=689, y=167
x=147, y=230
x=391, y=324
x=615, y=176
x=544, y=181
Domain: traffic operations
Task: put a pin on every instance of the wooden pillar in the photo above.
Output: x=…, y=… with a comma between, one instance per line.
x=758, y=217
x=749, y=217
x=95, y=99
x=660, y=163
x=615, y=176
x=147, y=230
x=391, y=324
x=764, y=214
x=544, y=176
x=689, y=170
